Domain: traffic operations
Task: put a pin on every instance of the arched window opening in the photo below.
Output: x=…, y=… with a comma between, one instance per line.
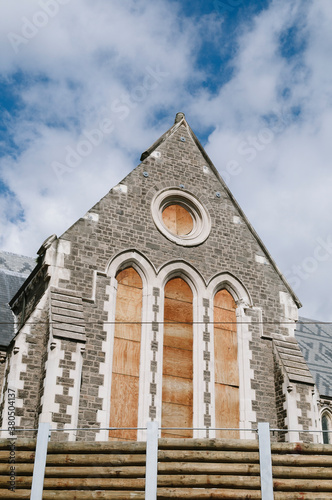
x=226, y=365
x=126, y=355
x=326, y=427
x=177, y=389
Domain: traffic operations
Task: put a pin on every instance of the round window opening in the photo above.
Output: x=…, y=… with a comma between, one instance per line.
x=180, y=217
x=177, y=220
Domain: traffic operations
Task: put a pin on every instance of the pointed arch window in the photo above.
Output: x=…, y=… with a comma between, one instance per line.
x=177, y=388
x=226, y=370
x=126, y=355
x=326, y=427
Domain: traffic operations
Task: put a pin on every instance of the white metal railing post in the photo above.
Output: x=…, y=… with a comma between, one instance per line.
x=151, y=469
x=265, y=460
x=40, y=461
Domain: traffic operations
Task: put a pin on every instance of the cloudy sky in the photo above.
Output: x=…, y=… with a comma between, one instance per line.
x=87, y=85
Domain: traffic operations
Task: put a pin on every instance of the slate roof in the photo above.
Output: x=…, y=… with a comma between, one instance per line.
x=14, y=269
x=315, y=340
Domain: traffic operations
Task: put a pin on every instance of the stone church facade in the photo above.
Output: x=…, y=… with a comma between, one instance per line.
x=161, y=303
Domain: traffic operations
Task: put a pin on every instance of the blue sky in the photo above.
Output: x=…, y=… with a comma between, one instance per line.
x=253, y=78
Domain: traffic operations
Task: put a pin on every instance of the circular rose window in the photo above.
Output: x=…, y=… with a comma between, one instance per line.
x=178, y=220
x=181, y=217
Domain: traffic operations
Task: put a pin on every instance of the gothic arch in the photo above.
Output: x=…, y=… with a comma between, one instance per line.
x=134, y=259
x=227, y=281
x=233, y=285
x=326, y=422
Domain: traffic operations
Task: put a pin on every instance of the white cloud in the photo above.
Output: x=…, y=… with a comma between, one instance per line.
x=125, y=61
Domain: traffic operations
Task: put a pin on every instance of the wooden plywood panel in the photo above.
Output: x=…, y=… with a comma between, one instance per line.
x=128, y=311
x=176, y=310
x=178, y=362
x=178, y=289
x=129, y=277
x=180, y=336
x=184, y=221
x=224, y=300
x=128, y=303
x=177, y=393
x=226, y=362
x=177, y=220
x=126, y=357
x=128, y=331
x=227, y=409
x=225, y=319
x=175, y=415
x=177, y=390
x=124, y=404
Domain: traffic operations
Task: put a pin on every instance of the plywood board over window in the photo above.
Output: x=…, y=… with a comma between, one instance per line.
x=226, y=364
x=177, y=390
x=126, y=355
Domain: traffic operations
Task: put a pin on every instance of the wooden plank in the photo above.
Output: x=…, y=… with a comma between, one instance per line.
x=307, y=460
x=177, y=220
x=227, y=409
x=124, y=405
x=178, y=362
x=169, y=218
x=308, y=448
x=302, y=495
x=208, y=481
x=225, y=354
x=224, y=300
x=197, y=494
x=80, y=483
x=208, y=468
x=126, y=357
x=179, y=335
x=128, y=303
x=20, y=456
x=184, y=221
x=164, y=494
x=177, y=390
x=72, y=495
x=209, y=444
x=129, y=277
x=208, y=456
x=224, y=319
x=97, y=460
x=302, y=485
x=177, y=310
x=177, y=288
x=86, y=471
x=96, y=447
x=20, y=444
x=175, y=415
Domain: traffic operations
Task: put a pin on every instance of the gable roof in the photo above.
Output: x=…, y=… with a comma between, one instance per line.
x=181, y=120
x=315, y=340
x=14, y=269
